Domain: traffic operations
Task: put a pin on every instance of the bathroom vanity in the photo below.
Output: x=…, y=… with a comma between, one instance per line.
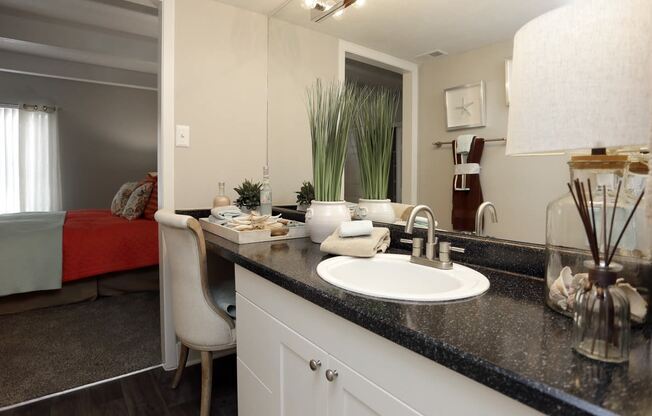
x=306, y=347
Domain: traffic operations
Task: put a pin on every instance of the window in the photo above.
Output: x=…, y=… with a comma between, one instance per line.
x=29, y=161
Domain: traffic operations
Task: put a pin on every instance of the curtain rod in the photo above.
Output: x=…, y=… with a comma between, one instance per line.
x=43, y=108
x=441, y=143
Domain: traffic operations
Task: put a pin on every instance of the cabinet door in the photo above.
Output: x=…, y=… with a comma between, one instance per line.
x=302, y=388
x=351, y=394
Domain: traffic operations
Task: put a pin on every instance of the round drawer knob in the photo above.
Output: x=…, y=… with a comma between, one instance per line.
x=331, y=375
x=314, y=364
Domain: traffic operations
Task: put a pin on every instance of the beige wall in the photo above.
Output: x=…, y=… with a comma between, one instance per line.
x=297, y=57
x=520, y=187
x=220, y=92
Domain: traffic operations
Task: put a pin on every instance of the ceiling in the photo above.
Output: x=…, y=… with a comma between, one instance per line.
x=114, y=41
x=410, y=28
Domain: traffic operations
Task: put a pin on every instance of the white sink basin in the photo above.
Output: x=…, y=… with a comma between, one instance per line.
x=392, y=276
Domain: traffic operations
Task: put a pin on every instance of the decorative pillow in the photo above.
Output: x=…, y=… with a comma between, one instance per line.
x=120, y=199
x=137, y=200
x=152, y=204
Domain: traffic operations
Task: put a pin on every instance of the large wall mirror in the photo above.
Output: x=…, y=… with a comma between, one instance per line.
x=453, y=80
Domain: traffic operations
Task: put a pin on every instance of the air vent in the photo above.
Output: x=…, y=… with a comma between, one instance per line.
x=437, y=52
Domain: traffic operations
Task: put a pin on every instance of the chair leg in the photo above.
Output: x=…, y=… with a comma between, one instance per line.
x=206, y=382
x=183, y=358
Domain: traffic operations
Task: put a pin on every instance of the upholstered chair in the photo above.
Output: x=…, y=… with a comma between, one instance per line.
x=199, y=324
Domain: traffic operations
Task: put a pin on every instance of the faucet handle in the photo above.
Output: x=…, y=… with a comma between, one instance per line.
x=444, y=252
x=417, y=245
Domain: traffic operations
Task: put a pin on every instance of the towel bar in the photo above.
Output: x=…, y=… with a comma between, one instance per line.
x=441, y=143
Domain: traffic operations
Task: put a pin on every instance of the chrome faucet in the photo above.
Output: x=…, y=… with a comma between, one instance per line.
x=443, y=261
x=479, y=217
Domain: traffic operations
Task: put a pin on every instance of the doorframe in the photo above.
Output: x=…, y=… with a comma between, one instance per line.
x=166, y=129
x=410, y=72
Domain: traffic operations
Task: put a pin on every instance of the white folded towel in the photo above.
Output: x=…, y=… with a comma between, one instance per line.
x=355, y=228
x=226, y=212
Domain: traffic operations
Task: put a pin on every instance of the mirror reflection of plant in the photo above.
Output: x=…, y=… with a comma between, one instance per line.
x=331, y=113
x=374, y=133
x=248, y=194
x=306, y=194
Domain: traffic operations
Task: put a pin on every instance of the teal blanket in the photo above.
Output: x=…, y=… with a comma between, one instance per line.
x=31, y=251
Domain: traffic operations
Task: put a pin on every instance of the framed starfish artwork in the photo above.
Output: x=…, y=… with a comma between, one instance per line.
x=465, y=106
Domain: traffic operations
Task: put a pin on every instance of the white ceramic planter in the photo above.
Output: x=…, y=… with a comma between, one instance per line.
x=322, y=218
x=379, y=210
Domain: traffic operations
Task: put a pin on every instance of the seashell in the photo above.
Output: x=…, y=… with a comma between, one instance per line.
x=557, y=297
x=637, y=305
x=279, y=231
x=563, y=281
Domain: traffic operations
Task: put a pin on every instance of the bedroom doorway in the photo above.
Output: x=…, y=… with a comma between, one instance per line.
x=79, y=94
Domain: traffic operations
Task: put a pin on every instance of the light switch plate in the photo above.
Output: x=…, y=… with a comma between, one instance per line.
x=183, y=136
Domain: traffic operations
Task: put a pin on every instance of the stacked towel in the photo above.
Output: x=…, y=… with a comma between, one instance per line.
x=226, y=213
x=365, y=246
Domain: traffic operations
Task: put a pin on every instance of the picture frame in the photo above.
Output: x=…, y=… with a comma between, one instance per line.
x=465, y=106
x=508, y=78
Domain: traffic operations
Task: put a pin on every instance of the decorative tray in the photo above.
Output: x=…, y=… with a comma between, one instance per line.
x=297, y=230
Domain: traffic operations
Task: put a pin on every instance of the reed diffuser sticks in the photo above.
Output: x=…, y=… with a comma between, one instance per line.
x=582, y=202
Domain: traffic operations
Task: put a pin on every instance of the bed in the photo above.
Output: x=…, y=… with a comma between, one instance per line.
x=101, y=254
x=96, y=242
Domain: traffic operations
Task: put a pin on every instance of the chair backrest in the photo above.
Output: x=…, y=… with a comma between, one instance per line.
x=197, y=321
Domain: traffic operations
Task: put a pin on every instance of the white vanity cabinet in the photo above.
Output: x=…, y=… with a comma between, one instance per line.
x=288, y=346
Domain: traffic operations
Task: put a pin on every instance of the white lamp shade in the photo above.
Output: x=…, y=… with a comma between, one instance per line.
x=581, y=78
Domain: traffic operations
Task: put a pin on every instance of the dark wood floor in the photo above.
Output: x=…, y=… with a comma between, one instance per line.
x=144, y=394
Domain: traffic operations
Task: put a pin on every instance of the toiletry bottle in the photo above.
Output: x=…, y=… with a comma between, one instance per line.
x=266, y=194
x=221, y=200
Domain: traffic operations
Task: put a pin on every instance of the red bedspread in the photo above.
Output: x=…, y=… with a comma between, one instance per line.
x=96, y=242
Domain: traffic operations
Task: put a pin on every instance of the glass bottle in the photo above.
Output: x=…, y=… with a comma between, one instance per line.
x=567, y=247
x=221, y=200
x=601, y=322
x=266, y=194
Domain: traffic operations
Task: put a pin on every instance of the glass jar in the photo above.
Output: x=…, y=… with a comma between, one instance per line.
x=567, y=247
x=221, y=200
x=601, y=325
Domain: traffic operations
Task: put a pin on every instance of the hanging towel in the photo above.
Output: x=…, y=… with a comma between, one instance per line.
x=467, y=192
x=366, y=246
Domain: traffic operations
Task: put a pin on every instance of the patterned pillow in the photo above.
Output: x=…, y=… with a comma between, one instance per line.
x=120, y=199
x=152, y=203
x=137, y=200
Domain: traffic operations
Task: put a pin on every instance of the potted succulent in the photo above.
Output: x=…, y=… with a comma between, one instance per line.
x=374, y=135
x=305, y=195
x=248, y=196
x=331, y=113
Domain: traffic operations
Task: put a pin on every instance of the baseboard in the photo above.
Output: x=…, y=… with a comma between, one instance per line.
x=85, y=386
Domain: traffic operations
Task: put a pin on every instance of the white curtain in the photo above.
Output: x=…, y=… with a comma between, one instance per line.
x=29, y=161
x=9, y=161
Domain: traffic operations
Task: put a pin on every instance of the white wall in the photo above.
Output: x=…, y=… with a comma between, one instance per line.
x=520, y=187
x=220, y=92
x=107, y=134
x=297, y=57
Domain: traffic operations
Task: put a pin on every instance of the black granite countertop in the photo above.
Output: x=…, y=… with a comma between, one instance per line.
x=506, y=339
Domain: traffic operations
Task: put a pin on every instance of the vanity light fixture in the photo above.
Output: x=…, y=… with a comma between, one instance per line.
x=322, y=9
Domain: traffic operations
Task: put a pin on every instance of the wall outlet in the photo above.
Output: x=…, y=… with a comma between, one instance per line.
x=183, y=136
